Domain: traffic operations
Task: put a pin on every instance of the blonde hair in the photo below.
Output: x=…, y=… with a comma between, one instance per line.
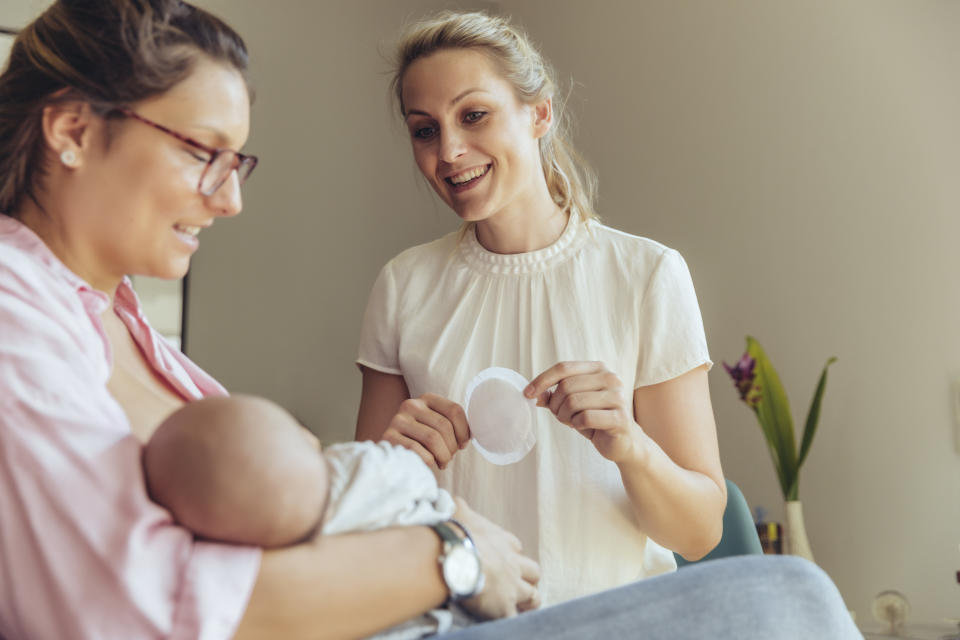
x=571, y=182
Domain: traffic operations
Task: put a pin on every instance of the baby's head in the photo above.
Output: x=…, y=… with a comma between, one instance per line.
x=237, y=469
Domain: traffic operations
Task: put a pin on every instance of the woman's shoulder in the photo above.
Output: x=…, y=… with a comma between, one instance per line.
x=633, y=252
x=427, y=257
x=28, y=270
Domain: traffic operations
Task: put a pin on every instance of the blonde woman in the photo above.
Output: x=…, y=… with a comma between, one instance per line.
x=120, y=125
x=626, y=467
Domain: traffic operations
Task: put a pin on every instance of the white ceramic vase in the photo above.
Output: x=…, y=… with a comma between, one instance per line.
x=797, y=543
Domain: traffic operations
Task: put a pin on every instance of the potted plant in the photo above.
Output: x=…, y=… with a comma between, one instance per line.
x=760, y=389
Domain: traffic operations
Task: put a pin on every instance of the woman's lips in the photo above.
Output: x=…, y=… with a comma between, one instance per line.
x=467, y=179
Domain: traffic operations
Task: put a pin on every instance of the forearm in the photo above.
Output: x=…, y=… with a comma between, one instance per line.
x=380, y=398
x=679, y=508
x=345, y=586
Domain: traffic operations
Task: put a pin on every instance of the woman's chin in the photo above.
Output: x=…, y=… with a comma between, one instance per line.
x=172, y=271
x=470, y=214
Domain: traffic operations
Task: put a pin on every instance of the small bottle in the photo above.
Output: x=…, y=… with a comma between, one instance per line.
x=770, y=533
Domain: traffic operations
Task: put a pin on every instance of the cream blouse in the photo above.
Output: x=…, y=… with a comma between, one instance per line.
x=441, y=312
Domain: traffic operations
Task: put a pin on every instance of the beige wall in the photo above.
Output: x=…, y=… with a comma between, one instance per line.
x=804, y=157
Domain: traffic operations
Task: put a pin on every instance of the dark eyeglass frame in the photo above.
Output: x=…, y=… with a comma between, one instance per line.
x=241, y=163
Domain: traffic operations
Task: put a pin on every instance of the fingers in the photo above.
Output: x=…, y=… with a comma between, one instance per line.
x=432, y=426
x=440, y=425
x=399, y=439
x=529, y=571
x=600, y=381
x=529, y=599
x=511, y=577
x=568, y=408
x=404, y=431
x=558, y=372
x=454, y=414
x=583, y=390
x=528, y=596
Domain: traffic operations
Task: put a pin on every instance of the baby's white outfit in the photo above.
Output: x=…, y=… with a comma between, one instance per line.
x=374, y=485
x=377, y=485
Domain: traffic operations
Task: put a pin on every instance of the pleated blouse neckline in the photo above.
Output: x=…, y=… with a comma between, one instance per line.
x=565, y=247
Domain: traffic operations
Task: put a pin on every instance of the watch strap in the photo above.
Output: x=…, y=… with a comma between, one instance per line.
x=451, y=538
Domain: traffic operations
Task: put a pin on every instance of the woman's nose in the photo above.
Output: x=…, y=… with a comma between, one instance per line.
x=451, y=146
x=226, y=200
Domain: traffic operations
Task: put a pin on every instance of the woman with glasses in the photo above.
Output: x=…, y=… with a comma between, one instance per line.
x=120, y=128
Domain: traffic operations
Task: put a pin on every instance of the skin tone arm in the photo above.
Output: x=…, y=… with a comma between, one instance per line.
x=431, y=426
x=670, y=465
x=353, y=585
x=327, y=588
x=665, y=446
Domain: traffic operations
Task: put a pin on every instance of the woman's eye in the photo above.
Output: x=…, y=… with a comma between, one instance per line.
x=474, y=116
x=197, y=156
x=424, y=132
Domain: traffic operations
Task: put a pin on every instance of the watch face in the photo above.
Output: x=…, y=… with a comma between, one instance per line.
x=461, y=570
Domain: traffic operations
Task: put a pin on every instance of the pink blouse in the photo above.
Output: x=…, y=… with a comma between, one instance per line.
x=84, y=553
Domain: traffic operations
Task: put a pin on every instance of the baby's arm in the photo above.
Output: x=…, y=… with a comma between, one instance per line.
x=377, y=485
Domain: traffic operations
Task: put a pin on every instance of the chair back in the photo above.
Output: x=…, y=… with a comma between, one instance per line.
x=739, y=531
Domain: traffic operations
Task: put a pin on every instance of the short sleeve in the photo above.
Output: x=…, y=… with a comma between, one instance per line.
x=672, y=339
x=379, y=348
x=84, y=553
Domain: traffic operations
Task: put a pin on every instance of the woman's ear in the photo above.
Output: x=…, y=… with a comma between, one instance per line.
x=542, y=117
x=66, y=130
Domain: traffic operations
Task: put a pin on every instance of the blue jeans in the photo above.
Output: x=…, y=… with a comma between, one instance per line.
x=740, y=598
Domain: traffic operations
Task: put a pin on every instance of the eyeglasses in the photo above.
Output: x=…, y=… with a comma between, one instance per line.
x=220, y=163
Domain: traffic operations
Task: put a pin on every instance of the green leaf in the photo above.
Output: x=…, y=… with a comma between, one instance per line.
x=813, y=415
x=773, y=413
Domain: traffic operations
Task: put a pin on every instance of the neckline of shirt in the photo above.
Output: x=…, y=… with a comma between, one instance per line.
x=566, y=246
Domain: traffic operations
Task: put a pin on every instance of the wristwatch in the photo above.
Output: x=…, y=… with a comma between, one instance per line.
x=459, y=561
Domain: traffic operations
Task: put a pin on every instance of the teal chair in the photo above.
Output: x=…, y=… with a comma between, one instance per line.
x=739, y=531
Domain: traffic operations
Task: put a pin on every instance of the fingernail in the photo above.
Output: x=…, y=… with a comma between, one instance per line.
x=528, y=391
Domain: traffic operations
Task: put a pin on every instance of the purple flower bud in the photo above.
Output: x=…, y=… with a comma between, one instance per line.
x=743, y=374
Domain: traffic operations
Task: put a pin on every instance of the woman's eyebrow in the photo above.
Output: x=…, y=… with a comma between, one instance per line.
x=457, y=99
x=220, y=138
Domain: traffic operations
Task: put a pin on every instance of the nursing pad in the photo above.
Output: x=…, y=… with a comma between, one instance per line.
x=501, y=418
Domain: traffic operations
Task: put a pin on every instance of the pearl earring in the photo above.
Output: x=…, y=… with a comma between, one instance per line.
x=68, y=157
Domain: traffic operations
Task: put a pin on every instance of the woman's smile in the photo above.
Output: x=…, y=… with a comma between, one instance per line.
x=466, y=180
x=187, y=234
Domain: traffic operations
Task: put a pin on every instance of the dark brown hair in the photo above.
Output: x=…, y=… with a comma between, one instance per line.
x=106, y=52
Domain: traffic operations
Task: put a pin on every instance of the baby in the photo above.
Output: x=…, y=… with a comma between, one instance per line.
x=237, y=469
x=240, y=469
